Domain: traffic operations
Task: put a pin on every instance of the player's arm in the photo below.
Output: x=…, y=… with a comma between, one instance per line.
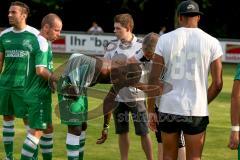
x=109, y=104
x=45, y=73
x=41, y=62
x=1, y=61
x=234, y=112
x=217, y=82
x=157, y=67
x=48, y=76
x=235, y=104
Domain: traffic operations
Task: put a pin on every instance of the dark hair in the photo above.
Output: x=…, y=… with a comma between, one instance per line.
x=125, y=20
x=25, y=8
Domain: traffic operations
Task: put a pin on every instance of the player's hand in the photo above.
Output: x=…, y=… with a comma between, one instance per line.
x=52, y=83
x=234, y=140
x=104, y=136
x=152, y=121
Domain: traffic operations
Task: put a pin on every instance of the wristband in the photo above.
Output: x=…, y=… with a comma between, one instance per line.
x=235, y=128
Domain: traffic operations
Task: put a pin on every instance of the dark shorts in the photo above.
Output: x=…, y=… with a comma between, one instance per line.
x=181, y=142
x=121, y=118
x=191, y=125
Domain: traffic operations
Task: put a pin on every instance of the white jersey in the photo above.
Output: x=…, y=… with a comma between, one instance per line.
x=115, y=47
x=187, y=53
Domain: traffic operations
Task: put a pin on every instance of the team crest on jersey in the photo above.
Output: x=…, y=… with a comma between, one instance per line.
x=26, y=43
x=111, y=46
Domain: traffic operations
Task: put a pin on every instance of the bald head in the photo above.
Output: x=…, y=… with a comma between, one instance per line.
x=50, y=19
x=149, y=42
x=51, y=27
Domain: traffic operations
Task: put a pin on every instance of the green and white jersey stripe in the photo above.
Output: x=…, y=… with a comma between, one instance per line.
x=16, y=47
x=36, y=87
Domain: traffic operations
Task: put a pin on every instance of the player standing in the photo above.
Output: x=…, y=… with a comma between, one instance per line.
x=129, y=99
x=145, y=56
x=37, y=92
x=189, y=54
x=15, y=46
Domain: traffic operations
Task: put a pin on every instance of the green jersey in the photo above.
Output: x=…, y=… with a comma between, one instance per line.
x=16, y=47
x=36, y=87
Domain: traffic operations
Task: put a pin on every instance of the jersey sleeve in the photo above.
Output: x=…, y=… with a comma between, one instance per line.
x=216, y=50
x=41, y=55
x=159, y=46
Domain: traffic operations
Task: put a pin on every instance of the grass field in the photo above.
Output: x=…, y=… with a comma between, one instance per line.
x=215, y=145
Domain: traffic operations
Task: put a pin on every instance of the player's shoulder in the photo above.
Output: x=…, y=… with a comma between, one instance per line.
x=209, y=39
x=43, y=43
x=112, y=45
x=32, y=30
x=7, y=30
x=139, y=40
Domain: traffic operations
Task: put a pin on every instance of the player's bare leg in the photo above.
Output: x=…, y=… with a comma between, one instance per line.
x=160, y=151
x=170, y=145
x=147, y=146
x=182, y=153
x=194, y=145
x=124, y=142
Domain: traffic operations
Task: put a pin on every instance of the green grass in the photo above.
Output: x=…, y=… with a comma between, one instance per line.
x=215, y=146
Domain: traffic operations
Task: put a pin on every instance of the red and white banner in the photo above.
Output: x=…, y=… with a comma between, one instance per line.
x=231, y=50
x=83, y=43
x=71, y=42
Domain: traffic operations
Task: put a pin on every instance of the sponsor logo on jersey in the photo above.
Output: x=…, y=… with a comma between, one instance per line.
x=16, y=53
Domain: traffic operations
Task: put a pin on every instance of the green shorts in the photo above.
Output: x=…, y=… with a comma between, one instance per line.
x=39, y=114
x=73, y=111
x=12, y=104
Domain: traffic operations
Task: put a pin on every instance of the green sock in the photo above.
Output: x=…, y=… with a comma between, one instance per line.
x=35, y=155
x=29, y=147
x=46, y=145
x=82, y=143
x=72, y=143
x=8, y=136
